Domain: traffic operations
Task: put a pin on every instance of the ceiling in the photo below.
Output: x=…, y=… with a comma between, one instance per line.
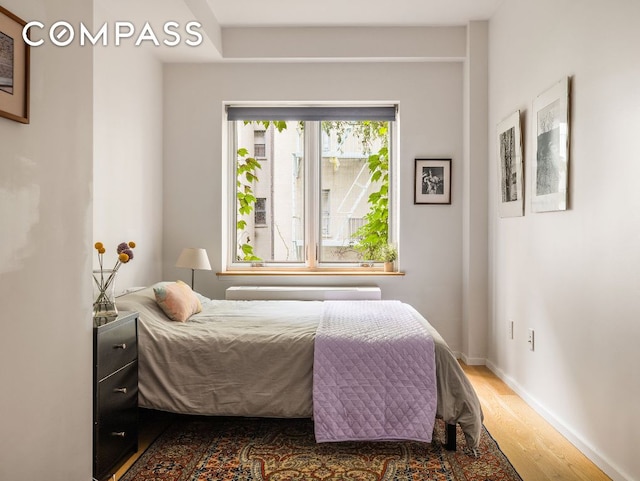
x=216, y=16
x=324, y=13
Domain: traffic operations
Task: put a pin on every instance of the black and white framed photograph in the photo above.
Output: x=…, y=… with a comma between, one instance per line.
x=550, y=166
x=14, y=69
x=432, y=181
x=511, y=201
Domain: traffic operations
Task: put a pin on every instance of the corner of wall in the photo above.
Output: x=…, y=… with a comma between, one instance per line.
x=475, y=194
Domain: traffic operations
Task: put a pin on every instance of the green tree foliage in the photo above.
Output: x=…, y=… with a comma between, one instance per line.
x=246, y=169
x=373, y=236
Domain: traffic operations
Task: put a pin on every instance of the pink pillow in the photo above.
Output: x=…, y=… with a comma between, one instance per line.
x=177, y=300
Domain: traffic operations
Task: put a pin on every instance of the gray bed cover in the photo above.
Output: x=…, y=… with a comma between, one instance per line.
x=255, y=358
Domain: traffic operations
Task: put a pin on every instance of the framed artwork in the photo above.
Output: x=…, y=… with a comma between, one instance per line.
x=14, y=69
x=511, y=203
x=550, y=166
x=432, y=181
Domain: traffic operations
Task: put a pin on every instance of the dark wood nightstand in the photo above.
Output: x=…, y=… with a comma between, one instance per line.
x=115, y=393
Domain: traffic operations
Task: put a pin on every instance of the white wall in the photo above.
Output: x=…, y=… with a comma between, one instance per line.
x=45, y=242
x=573, y=276
x=430, y=97
x=128, y=157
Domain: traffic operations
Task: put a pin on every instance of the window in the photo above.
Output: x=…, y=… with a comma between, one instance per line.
x=319, y=196
x=260, y=217
x=259, y=146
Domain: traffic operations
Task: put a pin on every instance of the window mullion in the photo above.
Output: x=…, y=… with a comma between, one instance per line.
x=232, y=177
x=312, y=156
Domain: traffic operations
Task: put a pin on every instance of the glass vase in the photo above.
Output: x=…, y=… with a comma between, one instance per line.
x=104, y=302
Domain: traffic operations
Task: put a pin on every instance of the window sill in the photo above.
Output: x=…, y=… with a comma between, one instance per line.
x=368, y=272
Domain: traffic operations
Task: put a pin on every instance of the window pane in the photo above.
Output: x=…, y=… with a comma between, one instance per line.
x=348, y=166
x=270, y=198
x=259, y=147
x=259, y=150
x=261, y=211
x=354, y=170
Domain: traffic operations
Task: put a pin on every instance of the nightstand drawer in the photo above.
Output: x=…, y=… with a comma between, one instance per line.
x=117, y=417
x=117, y=392
x=116, y=347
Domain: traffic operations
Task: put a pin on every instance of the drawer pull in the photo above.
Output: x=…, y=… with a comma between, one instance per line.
x=120, y=346
x=123, y=390
x=120, y=434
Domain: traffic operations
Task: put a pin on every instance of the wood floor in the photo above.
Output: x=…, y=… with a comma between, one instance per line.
x=534, y=447
x=536, y=450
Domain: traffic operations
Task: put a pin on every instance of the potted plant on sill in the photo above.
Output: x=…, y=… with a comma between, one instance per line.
x=388, y=254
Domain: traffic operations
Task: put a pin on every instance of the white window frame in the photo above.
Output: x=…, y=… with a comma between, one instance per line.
x=312, y=207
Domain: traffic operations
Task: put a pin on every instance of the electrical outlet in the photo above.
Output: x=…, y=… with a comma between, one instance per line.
x=531, y=340
x=510, y=327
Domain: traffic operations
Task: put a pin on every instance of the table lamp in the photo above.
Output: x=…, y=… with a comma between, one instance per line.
x=194, y=258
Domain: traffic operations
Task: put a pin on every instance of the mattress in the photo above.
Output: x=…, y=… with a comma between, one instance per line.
x=255, y=359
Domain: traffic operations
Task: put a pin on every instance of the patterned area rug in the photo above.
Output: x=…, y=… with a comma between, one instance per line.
x=241, y=449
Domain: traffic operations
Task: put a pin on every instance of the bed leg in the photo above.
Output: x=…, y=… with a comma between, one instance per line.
x=450, y=437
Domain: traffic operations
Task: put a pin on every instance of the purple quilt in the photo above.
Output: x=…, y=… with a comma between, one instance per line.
x=374, y=373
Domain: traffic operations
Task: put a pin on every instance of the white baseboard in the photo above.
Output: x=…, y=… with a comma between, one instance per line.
x=609, y=469
x=472, y=361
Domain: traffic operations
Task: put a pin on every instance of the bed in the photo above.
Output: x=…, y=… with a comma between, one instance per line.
x=255, y=359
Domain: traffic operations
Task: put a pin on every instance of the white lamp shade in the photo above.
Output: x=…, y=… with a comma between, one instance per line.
x=194, y=258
